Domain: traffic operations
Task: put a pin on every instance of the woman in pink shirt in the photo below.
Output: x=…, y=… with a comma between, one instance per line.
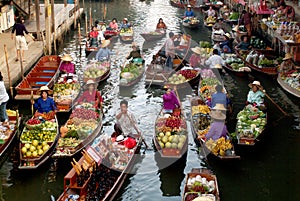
x=91, y=95
x=67, y=66
x=195, y=59
x=113, y=24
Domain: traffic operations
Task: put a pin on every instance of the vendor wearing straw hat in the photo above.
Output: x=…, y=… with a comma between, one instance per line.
x=91, y=95
x=189, y=12
x=125, y=24
x=66, y=65
x=226, y=44
x=256, y=94
x=217, y=128
x=195, y=59
x=45, y=104
x=170, y=101
x=287, y=66
x=135, y=53
x=104, y=53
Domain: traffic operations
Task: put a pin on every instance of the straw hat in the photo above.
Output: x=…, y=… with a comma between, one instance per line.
x=133, y=44
x=90, y=82
x=217, y=114
x=125, y=19
x=44, y=88
x=105, y=43
x=197, y=50
x=120, y=138
x=256, y=83
x=287, y=56
x=227, y=35
x=219, y=106
x=189, y=6
x=67, y=57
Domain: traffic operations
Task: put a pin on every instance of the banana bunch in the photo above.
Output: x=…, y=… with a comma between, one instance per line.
x=11, y=113
x=210, y=19
x=202, y=133
x=219, y=147
x=204, y=109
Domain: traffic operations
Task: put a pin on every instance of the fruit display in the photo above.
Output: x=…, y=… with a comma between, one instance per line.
x=220, y=146
x=11, y=113
x=126, y=31
x=208, y=83
x=236, y=63
x=293, y=80
x=183, y=76
x=85, y=114
x=96, y=69
x=34, y=149
x=262, y=61
x=47, y=132
x=191, y=20
x=210, y=20
x=7, y=130
x=201, y=123
x=131, y=72
x=251, y=122
x=33, y=123
x=204, y=109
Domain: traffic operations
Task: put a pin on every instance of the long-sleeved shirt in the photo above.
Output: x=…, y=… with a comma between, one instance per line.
x=189, y=13
x=213, y=60
x=219, y=97
x=134, y=54
x=47, y=105
x=210, y=12
x=94, y=97
x=170, y=101
x=128, y=123
x=19, y=28
x=257, y=97
x=169, y=48
x=246, y=18
x=113, y=26
x=103, y=54
x=67, y=67
x=3, y=94
x=217, y=130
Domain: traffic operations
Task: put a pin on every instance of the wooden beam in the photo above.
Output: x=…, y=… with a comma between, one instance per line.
x=48, y=12
x=37, y=18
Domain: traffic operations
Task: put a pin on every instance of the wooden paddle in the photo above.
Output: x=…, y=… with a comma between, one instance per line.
x=8, y=71
x=134, y=126
x=285, y=114
x=31, y=100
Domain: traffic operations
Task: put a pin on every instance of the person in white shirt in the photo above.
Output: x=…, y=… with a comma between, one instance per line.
x=170, y=50
x=210, y=12
x=3, y=100
x=215, y=60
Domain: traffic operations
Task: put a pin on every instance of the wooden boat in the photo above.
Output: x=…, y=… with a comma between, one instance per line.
x=209, y=24
x=78, y=132
x=178, y=4
x=8, y=136
x=44, y=73
x=204, y=177
x=170, y=135
x=241, y=72
x=292, y=90
x=132, y=73
x=112, y=176
x=235, y=65
x=37, y=144
x=268, y=70
x=110, y=34
x=154, y=35
x=98, y=71
x=251, y=124
x=187, y=83
x=126, y=36
x=191, y=22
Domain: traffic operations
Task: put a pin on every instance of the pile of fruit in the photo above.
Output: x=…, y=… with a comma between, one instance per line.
x=183, y=76
x=96, y=69
x=167, y=140
x=257, y=43
x=219, y=147
x=11, y=113
x=191, y=20
x=131, y=72
x=33, y=123
x=84, y=113
x=45, y=132
x=210, y=20
x=235, y=62
x=203, y=109
x=293, y=80
x=200, y=187
x=34, y=149
x=251, y=122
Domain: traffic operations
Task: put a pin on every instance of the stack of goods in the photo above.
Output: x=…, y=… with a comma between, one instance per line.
x=210, y=21
x=251, y=122
x=36, y=138
x=220, y=147
x=206, y=50
x=82, y=123
x=66, y=91
x=260, y=60
x=201, y=119
x=235, y=62
x=96, y=70
x=131, y=72
x=191, y=20
x=126, y=32
x=208, y=83
x=293, y=80
x=6, y=131
x=200, y=186
x=183, y=76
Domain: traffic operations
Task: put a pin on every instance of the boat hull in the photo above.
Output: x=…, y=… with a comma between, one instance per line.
x=287, y=88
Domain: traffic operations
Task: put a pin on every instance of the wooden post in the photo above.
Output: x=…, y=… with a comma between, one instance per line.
x=53, y=28
x=8, y=71
x=75, y=13
x=83, y=6
x=29, y=4
x=48, y=26
x=37, y=18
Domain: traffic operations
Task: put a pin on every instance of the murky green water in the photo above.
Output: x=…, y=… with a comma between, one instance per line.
x=268, y=171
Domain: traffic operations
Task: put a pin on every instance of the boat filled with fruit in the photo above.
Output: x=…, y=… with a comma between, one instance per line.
x=171, y=135
x=191, y=22
x=37, y=141
x=83, y=126
x=154, y=35
x=8, y=132
x=201, y=184
x=66, y=90
x=210, y=21
x=235, y=65
x=126, y=35
x=251, y=122
x=290, y=83
x=97, y=71
x=184, y=78
x=207, y=84
x=132, y=72
x=102, y=170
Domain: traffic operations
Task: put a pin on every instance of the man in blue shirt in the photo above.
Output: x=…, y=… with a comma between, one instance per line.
x=103, y=53
x=44, y=104
x=220, y=97
x=125, y=24
x=189, y=12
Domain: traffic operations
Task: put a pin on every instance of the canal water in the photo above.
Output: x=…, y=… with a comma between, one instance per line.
x=269, y=171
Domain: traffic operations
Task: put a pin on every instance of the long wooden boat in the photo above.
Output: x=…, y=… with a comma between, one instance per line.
x=206, y=186
x=170, y=135
x=178, y=4
x=251, y=125
x=44, y=73
x=235, y=65
x=156, y=75
x=98, y=71
x=268, y=70
x=209, y=24
x=7, y=136
x=127, y=36
x=154, y=35
x=132, y=73
x=110, y=34
x=241, y=72
x=191, y=22
x=37, y=144
x=79, y=131
x=107, y=178
x=183, y=74
x=287, y=87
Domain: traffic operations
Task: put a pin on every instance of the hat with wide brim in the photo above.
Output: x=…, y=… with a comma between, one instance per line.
x=202, y=199
x=256, y=83
x=228, y=35
x=90, y=82
x=219, y=106
x=125, y=18
x=287, y=56
x=105, y=43
x=196, y=50
x=217, y=114
x=66, y=57
x=45, y=88
x=189, y=6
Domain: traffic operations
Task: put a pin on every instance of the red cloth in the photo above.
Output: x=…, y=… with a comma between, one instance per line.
x=130, y=143
x=94, y=34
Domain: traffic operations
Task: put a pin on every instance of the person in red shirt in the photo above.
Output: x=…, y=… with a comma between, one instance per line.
x=91, y=95
x=94, y=37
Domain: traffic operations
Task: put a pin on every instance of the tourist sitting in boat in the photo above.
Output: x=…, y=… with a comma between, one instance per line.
x=171, y=101
x=126, y=122
x=256, y=96
x=220, y=98
x=244, y=44
x=286, y=11
x=215, y=60
x=287, y=66
x=189, y=12
x=3, y=101
x=104, y=53
x=135, y=53
x=125, y=24
x=210, y=12
x=113, y=25
x=44, y=104
x=195, y=59
x=227, y=44
x=94, y=37
x=161, y=24
x=91, y=95
x=66, y=65
x=218, y=127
